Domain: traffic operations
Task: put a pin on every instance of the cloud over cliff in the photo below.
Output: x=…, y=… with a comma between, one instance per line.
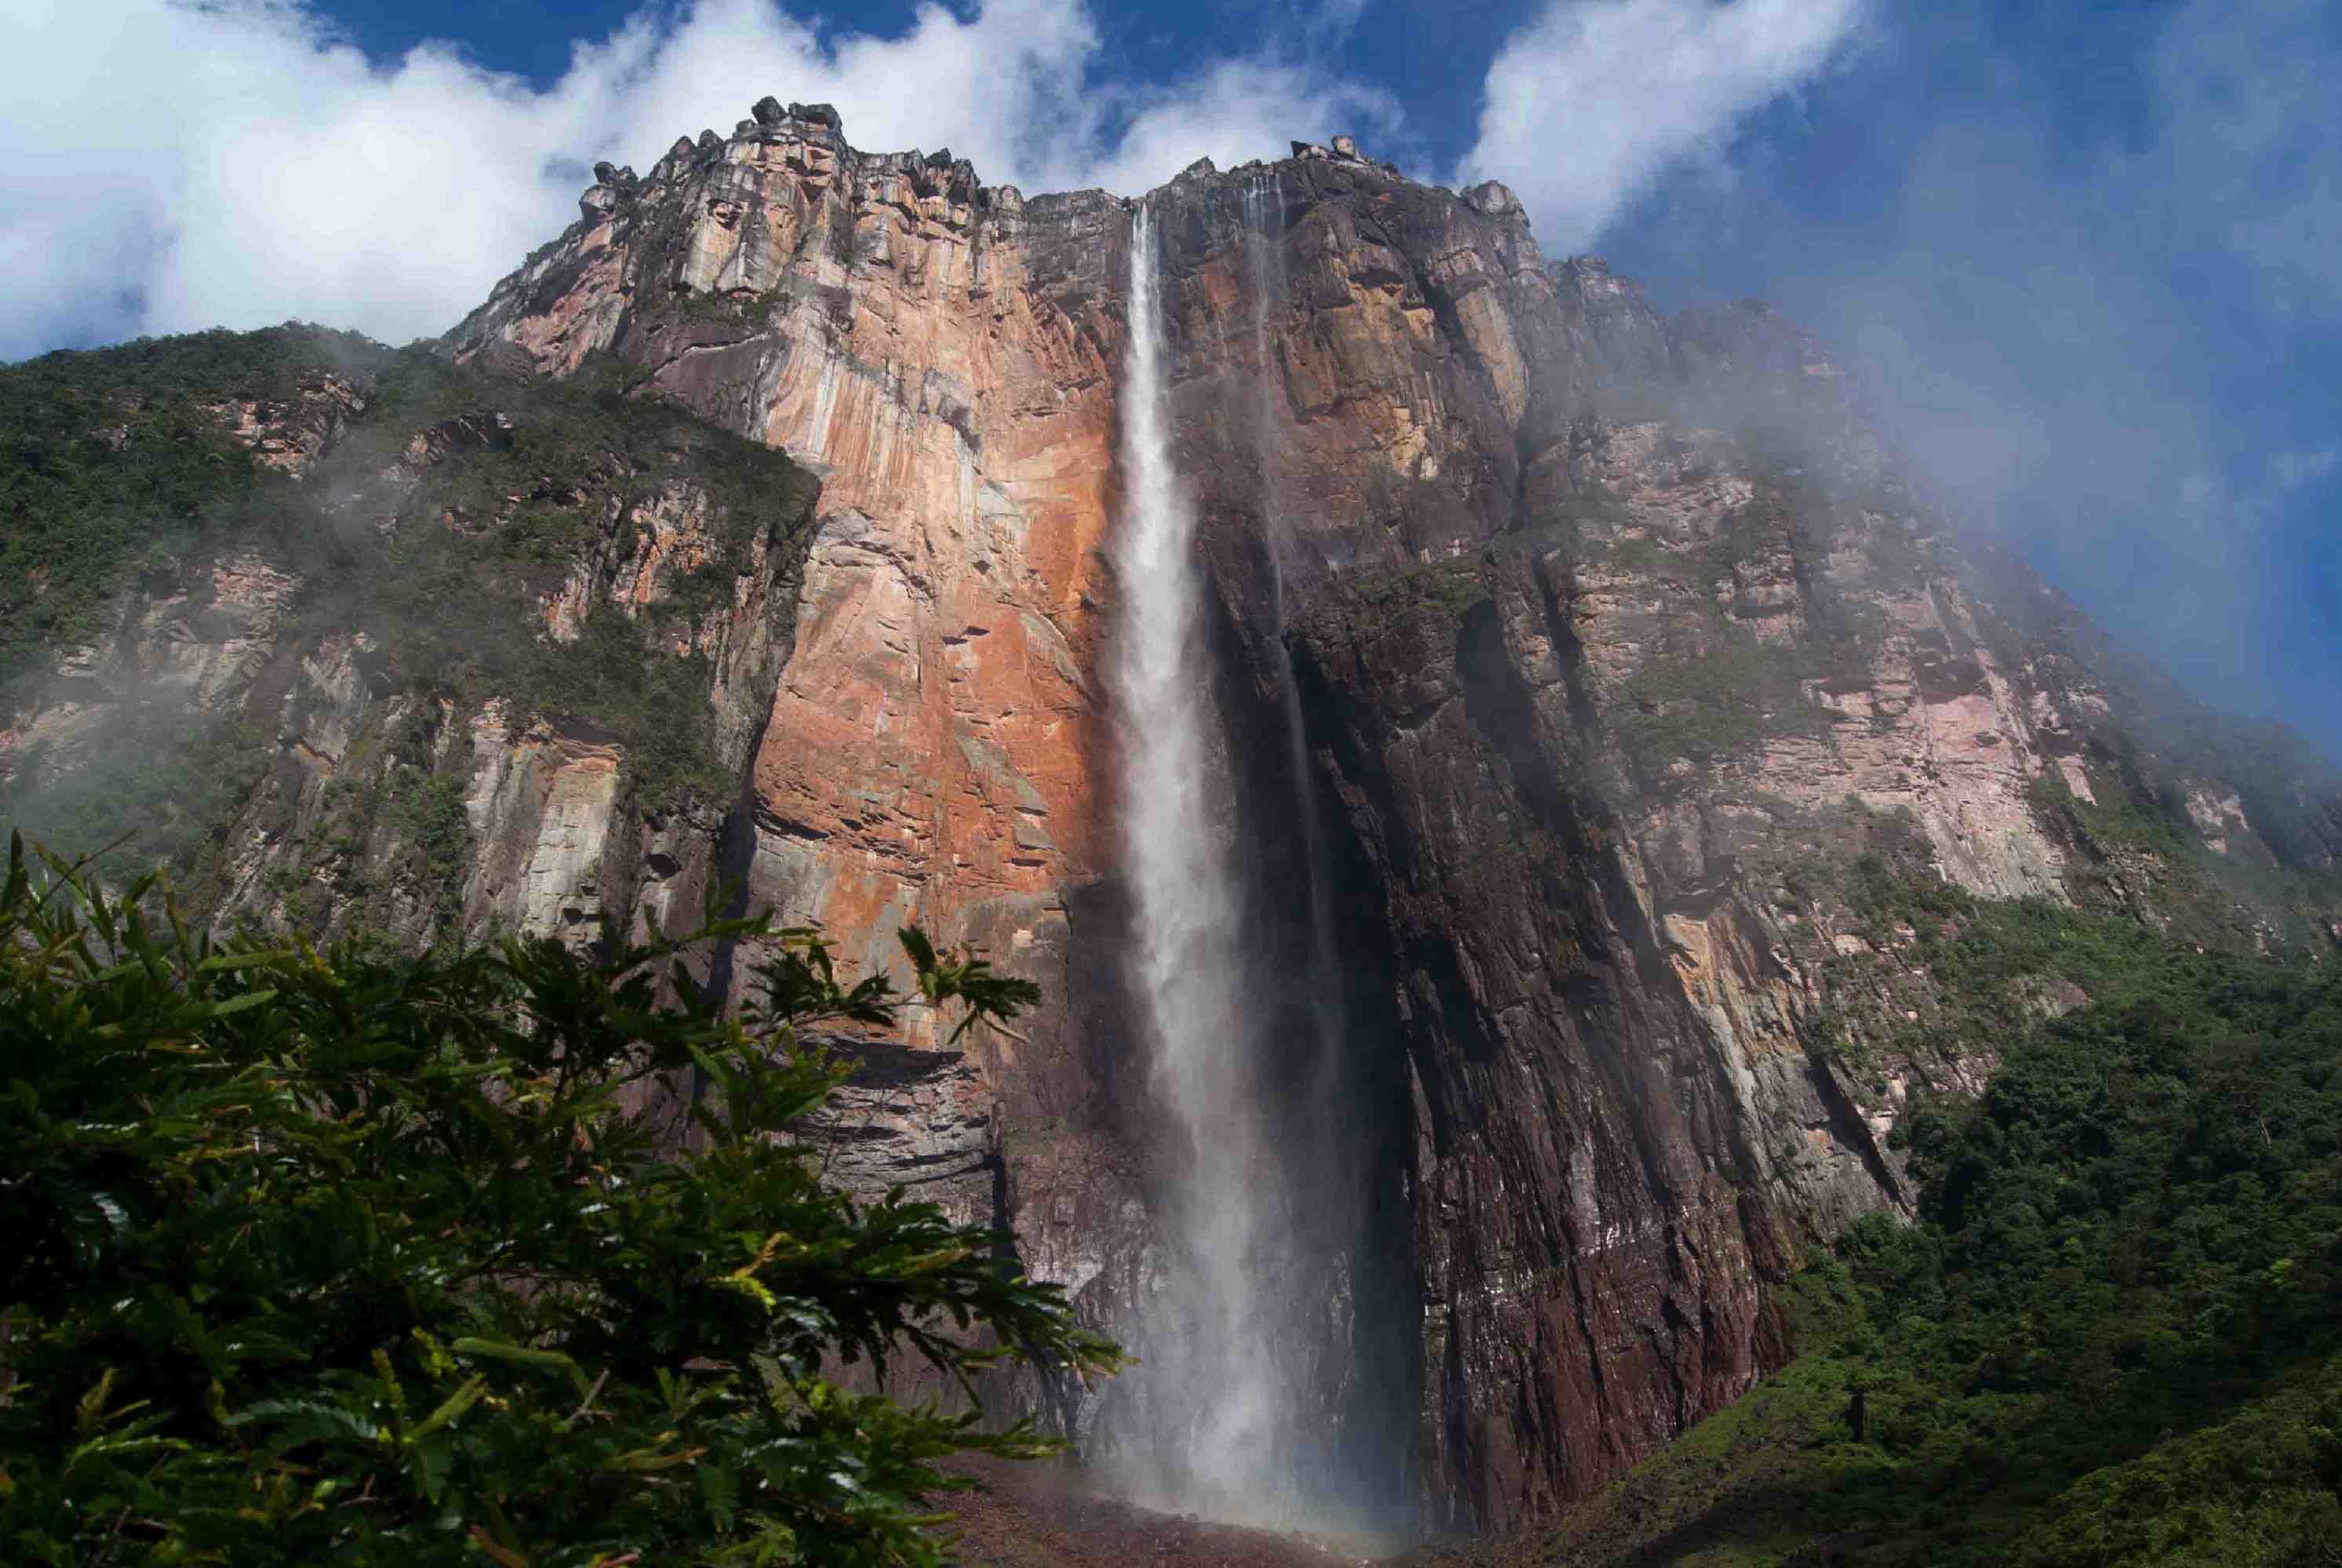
x=1596, y=97
x=178, y=168
x=2088, y=263
x=175, y=166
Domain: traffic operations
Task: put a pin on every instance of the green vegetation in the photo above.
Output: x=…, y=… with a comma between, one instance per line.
x=2136, y=844
x=502, y=518
x=426, y=811
x=1583, y=521
x=1711, y=688
x=168, y=776
x=2120, y=822
x=1983, y=963
x=2157, y=734
x=1791, y=517
x=369, y=1259
x=756, y=311
x=389, y=828
x=1709, y=706
x=2114, y=1338
x=657, y=708
x=1449, y=587
x=1640, y=555
x=111, y=462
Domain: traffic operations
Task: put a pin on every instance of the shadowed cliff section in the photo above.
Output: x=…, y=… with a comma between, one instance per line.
x=1624, y=639
x=2110, y=1338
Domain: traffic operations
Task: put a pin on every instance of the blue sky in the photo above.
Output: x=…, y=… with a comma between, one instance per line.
x=2088, y=254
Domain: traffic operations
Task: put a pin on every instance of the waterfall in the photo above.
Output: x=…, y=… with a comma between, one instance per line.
x=1217, y=1407
x=1263, y=1396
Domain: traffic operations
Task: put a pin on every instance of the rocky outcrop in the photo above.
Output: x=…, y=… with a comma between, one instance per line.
x=289, y=433
x=197, y=645
x=942, y=354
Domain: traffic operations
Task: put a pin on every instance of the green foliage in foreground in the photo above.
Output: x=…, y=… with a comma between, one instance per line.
x=2115, y=1337
x=343, y=1257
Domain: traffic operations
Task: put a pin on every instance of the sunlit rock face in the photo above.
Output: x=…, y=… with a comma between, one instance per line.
x=943, y=356
x=947, y=374
x=1608, y=631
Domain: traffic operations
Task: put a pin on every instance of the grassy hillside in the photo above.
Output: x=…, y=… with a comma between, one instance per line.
x=115, y=461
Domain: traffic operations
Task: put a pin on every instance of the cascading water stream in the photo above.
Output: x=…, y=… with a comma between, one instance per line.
x=1219, y=1407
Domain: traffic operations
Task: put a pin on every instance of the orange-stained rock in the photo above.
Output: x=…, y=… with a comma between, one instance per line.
x=289, y=435
x=930, y=754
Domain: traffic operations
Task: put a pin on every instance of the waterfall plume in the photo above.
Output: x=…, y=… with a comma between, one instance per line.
x=1217, y=1433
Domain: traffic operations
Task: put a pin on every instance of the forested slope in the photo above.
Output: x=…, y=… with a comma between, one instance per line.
x=2114, y=1335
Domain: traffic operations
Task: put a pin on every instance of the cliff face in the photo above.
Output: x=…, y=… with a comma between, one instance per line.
x=1612, y=633
x=1585, y=675
x=943, y=356
x=1611, y=644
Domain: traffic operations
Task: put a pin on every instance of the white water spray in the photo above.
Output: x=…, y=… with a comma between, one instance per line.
x=1218, y=1405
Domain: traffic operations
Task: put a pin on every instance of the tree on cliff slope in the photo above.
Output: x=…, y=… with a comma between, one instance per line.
x=363, y=1258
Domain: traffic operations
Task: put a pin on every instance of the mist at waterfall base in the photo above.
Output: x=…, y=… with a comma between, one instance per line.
x=1227, y=1413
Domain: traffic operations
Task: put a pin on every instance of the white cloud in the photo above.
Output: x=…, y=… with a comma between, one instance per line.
x=1231, y=112
x=1594, y=98
x=178, y=165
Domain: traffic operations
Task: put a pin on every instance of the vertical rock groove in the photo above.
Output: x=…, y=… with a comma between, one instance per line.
x=1263, y=226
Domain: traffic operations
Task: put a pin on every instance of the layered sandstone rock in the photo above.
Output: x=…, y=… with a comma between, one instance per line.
x=362, y=783
x=196, y=645
x=290, y=433
x=943, y=356
x=892, y=325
